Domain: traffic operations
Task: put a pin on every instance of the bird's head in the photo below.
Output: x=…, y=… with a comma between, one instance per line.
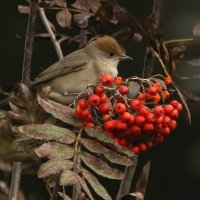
x=107, y=50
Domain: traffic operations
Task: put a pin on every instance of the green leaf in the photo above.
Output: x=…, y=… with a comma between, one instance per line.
x=48, y=132
x=95, y=184
x=54, y=166
x=59, y=111
x=54, y=150
x=105, y=138
x=68, y=177
x=112, y=156
x=100, y=167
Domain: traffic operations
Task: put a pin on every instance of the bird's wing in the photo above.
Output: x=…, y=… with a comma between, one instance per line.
x=67, y=65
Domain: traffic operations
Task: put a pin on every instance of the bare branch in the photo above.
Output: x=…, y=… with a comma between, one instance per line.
x=26, y=70
x=51, y=33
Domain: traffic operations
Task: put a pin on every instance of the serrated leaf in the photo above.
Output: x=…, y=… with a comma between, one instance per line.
x=64, y=196
x=2, y=114
x=103, y=137
x=79, y=4
x=112, y=156
x=64, y=18
x=84, y=187
x=59, y=111
x=95, y=184
x=133, y=89
x=54, y=166
x=80, y=18
x=61, y=3
x=54, y=150
x=94, y=5
x=48, y=132
x=100, y=167
x=68, y=177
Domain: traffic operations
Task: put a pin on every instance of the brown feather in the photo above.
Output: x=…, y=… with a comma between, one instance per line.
x=110, y=45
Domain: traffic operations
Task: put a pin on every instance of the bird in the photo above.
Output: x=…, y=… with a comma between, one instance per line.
x=73, y=73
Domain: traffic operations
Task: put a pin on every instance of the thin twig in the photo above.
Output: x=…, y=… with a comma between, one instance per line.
x=125, y=184
x=16, y=177
x=26, y=71
x=54, y=194
x=51, y=33
x=149, y=56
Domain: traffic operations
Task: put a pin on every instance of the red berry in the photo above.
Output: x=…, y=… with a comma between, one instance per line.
x=118, y=80
x=158, y=110
x=159, y=119
x=168, y=80
x=136, y=129
x=142, y=147
x=174, y=103
x=99, y=89
x=174, y=114
x=83, y=104
x=158, y=128
x=123, y=142
x=159, y=138
x=148, y=127
x=110, y=125
x=173, y=124
x=168, y=109
x=166, y=121
x=84, y=113
x=179, y=107
x=123, y=89
x=120, y=125
x=119, y=108
x=165, y=131
x=107, y=79
x=149, y=144
x=90, y=124
x=104, y=108
x=152, y=90
x=94, y=100
x=135, y=150
x=135, y=104
x=144, y=110
x=141, y=96
x=126, y=117
x=103, y=98
x=139, y=120
x=150, y=117
x=165, y=94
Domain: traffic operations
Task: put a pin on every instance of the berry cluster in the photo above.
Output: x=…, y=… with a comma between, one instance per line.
x=138, y=123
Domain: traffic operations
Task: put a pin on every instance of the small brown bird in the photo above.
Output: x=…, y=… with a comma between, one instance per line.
x=70, y=75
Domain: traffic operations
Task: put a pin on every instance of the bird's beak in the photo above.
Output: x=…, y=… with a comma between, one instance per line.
x=125, y=57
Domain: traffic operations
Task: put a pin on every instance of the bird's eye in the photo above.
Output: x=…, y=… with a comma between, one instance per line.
x=110, y=55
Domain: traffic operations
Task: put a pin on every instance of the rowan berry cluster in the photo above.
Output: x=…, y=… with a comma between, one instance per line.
x=138, y=123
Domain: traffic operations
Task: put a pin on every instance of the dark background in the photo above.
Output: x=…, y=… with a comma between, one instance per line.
x=175, y=164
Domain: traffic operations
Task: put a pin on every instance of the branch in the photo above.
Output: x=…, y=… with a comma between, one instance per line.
x=126, y=182
x=149, y=56
x=51, y=33
x=26, y=71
